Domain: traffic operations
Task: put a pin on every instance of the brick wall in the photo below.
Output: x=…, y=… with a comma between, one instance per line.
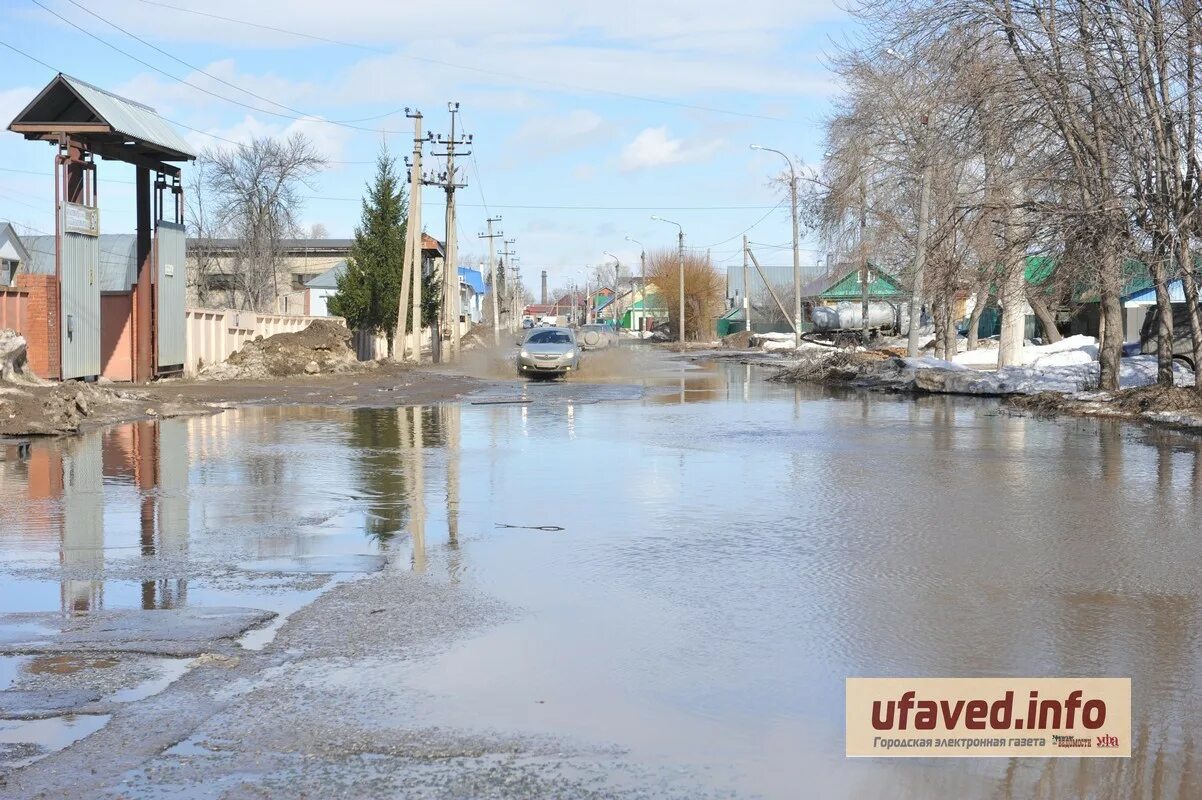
x=41, y=324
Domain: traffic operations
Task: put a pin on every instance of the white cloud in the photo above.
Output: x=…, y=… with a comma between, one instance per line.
x=12, y=101
x=329, y=140
x=654, y=147
x=570, y=127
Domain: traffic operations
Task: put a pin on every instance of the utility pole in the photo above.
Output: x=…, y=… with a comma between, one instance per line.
x=643, y=269
x=449, y=317
x=507, y=256
x=492, y=272
x=920, y=255
x=411, y=275
x=796, y=244
x=680, y=256
x=746, y=290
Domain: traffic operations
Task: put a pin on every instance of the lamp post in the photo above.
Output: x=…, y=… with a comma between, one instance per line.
x=796, y=243
x=643, y=270
x=680, y=246
x=617, y=279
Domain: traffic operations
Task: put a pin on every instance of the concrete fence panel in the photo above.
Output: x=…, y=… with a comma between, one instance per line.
x=211, y=335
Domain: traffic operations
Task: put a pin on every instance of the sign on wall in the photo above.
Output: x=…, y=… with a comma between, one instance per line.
x=81, y=219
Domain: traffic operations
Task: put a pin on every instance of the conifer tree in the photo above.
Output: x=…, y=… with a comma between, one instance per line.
x=369, y=290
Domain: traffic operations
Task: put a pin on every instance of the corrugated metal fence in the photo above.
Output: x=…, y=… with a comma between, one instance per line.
x=170, y=279
x=80, y=292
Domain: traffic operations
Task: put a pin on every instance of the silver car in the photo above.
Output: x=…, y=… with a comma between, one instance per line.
x=549, y=352
x=596, y=337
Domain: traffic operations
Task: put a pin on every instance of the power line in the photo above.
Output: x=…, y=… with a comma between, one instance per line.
x=48, y=175
x=37, y=60
x=575, y=208
x=207, y=74
x=478, y=70
x=186, y=82
x=752, y=225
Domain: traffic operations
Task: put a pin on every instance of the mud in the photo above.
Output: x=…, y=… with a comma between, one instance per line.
x=52, y=409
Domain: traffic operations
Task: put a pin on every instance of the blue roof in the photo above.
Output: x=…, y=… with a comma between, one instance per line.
x=1148, y=295
x=472, y=278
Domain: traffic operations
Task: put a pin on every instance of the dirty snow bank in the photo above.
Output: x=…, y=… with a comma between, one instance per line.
x=321, y=348
x=1063, y=376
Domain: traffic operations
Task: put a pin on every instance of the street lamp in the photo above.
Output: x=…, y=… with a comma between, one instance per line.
x=796, y=244
x=680, y=246
x=617, y=279
x=643, y=269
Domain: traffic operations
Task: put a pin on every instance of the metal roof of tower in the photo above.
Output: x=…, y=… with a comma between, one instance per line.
x=110, y=125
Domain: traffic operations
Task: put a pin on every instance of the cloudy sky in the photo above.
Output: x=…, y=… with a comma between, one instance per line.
x=588, y=117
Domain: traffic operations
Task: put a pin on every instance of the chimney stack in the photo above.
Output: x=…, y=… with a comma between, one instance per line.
x=544, y=300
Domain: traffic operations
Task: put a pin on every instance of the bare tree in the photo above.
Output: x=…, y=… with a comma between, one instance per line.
x=254, y=191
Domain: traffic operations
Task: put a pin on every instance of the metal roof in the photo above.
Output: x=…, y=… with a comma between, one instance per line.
x=101, y=118
x=118, y=267
x=340, y=246
x=472, y=278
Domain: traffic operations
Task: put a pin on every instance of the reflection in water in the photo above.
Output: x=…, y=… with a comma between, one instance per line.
x=733, y=549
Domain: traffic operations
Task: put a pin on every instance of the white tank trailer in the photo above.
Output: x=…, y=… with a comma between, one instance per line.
x=849, y=317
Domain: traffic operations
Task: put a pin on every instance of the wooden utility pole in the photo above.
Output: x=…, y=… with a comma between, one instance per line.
x=746, y=290
x=411, y=281
x=492, y=272
x=449, y=316
x=507, y=256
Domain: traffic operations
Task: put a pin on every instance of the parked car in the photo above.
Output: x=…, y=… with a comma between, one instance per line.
x=549, y=352
x=527, y=324
x=1183, y=344
x=596, y=337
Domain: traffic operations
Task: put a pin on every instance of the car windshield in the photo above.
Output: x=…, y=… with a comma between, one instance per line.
x=550, y=337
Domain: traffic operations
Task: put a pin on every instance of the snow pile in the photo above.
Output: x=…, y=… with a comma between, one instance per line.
x=933, y=375
x=1067, y=352
x=14, y=363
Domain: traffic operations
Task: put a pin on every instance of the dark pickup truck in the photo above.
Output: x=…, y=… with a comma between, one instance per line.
x=1183, y=343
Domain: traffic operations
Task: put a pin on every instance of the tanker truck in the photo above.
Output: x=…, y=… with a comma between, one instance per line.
x=845, y=320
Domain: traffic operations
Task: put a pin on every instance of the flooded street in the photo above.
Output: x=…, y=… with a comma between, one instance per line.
x=652, y=588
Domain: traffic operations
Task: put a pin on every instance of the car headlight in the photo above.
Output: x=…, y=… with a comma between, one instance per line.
x=570, y=354
x=524, y=354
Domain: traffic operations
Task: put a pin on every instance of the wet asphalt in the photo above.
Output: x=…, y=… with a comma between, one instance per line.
x=633, y=585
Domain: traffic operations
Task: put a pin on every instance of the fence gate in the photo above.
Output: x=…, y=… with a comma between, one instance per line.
x=170, y=272
x=79, y=292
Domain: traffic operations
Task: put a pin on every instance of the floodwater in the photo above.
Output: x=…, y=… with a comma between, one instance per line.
x=731, y=550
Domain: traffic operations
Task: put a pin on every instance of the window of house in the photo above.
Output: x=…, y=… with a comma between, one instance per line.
x=8, y=271
x=219, y=282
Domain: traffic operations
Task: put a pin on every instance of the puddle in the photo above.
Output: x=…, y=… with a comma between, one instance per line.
x=10, y=667
x=171, y=670
x=47, y=735
x=733, y=550
x=316, y=564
